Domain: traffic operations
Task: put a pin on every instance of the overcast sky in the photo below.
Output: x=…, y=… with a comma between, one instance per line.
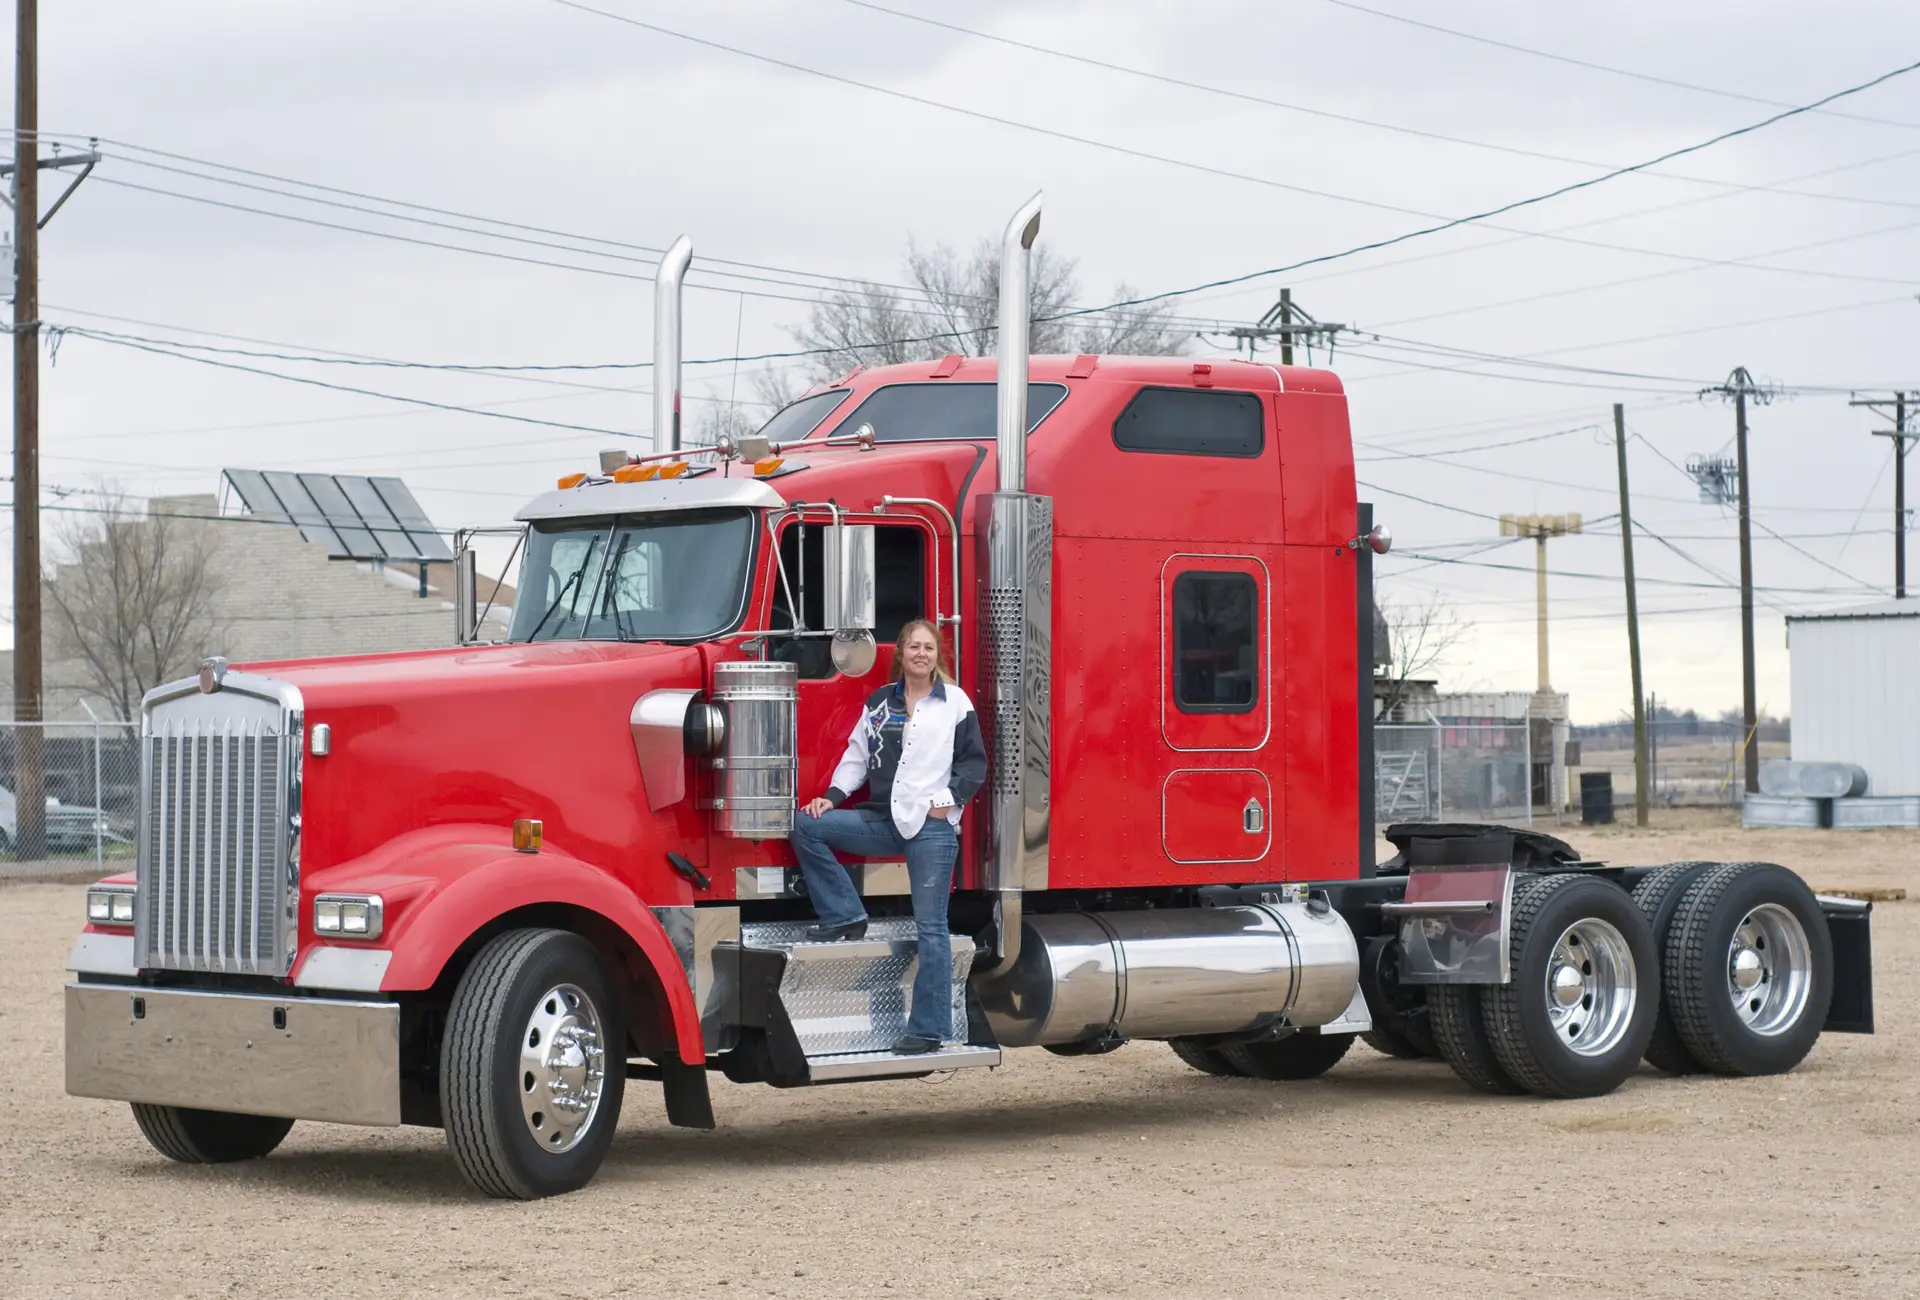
x=1790, y=250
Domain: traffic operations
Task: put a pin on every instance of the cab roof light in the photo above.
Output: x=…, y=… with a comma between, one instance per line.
x=762, y=468
x=635, y=473
x=572, y=480
x=526, y=835
x=674, y=470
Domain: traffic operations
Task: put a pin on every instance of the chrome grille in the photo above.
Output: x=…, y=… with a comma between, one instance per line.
x=218, y=871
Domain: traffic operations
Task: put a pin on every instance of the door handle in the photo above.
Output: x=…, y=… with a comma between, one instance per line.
x=1253, y=818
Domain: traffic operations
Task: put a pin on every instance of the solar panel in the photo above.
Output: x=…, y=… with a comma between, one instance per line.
x=355, y=517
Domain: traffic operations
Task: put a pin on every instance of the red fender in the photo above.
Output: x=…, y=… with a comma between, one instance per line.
x=441, y=885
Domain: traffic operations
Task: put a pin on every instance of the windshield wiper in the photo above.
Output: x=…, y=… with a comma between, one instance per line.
x=575, y=577
x=613, y=586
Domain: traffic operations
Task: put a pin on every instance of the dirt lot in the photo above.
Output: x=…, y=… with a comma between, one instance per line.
x=1120, y=1175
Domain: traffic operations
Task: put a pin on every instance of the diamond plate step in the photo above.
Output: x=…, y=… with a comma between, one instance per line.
x=852, y=997
x=881, y=1065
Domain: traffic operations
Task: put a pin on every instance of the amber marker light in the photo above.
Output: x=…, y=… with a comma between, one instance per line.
x=526, y=835
x=635, y=473
x=674, y=470
x=762, y=468
x=573, y=480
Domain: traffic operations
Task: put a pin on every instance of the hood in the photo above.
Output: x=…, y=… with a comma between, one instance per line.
x=483, y=735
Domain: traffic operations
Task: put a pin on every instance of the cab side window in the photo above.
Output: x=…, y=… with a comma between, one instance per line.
x=1216, y=646
x=900, y=590
x=1192, y=422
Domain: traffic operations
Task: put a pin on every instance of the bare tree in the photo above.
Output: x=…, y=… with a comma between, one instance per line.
x=740, y=414
x=951, y=304
x=136, y=600
x=1419, y=637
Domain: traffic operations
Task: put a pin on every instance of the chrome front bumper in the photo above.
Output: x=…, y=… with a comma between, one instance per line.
x=303, y=1058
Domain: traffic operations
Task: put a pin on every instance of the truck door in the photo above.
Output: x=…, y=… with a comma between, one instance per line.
x=1216, y=711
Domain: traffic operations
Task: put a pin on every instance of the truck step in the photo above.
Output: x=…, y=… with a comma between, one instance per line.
x=851, y=998
x=881, y=1065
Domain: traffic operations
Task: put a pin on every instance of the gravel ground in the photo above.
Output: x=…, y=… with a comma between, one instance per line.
x=1119, y=1175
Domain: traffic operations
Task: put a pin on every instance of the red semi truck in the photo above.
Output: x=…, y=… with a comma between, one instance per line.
x=483, y=888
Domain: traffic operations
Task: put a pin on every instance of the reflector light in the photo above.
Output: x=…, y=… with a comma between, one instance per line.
x=526, y=835
x=762, y=468
x=572, y=480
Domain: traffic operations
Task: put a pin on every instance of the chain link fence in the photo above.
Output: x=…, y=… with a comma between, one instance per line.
x=1438, y=771
x=91, y=781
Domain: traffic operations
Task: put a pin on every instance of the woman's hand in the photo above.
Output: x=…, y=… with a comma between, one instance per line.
x=819, y=806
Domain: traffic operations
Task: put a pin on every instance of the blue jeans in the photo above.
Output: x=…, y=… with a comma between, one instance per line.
x=930, y=857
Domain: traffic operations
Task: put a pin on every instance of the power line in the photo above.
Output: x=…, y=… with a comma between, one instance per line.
x=1442, y=224
x=1599, y=67
x=124, y=341
x=1418, y=133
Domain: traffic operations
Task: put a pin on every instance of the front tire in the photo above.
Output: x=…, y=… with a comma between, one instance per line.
x=1751, y=965
x=532, y=1068
x=208, y=1137
x=1575, y=1018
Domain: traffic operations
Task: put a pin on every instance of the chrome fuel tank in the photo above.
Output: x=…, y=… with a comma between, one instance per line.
x=1172, y=973
x=757, y=770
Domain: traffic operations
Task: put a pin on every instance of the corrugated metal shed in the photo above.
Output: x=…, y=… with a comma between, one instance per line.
x=1856, y=691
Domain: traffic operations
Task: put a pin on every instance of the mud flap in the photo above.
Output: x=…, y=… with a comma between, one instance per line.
x=1849, y=923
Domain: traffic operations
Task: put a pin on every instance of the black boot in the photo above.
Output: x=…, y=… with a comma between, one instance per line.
x=914, y=1045
x=834, y=933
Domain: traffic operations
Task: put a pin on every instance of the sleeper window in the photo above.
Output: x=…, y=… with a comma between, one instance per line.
x=1216, y=646
x=1192, y=422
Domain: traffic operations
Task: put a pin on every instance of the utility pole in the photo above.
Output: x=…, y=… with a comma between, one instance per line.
x=1545, y=709
x=1899, y=435
x=1633, y=624
x=1741, y=388
x=1290, y=324
x=30, y=837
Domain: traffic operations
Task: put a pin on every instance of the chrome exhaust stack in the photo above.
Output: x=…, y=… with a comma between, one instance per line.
x=1015, y=535
x=666, y=344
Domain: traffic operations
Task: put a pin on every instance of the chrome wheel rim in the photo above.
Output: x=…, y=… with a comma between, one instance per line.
x=562, y=1068
x=1592, y=986
x=1769, y=969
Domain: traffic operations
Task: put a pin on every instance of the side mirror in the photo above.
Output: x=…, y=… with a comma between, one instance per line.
x=854, y=652
x=466, y=586
x=849, y=564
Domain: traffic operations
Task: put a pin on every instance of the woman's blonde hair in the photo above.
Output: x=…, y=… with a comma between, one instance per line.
x=941, y=673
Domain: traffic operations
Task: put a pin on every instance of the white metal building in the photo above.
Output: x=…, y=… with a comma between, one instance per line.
x=1856, y=692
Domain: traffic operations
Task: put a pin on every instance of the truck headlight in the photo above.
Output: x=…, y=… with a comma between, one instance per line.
x=348, y=916
x=110, y=905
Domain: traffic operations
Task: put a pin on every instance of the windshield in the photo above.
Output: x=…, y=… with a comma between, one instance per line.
x=677, y=577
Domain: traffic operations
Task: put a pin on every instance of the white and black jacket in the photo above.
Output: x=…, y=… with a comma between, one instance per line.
x=910, y=764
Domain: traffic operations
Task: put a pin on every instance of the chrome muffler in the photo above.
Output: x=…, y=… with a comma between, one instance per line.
x=1173, y=973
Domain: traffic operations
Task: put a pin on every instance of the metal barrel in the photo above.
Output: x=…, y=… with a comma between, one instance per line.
x=757, y=770
x=1173, y=972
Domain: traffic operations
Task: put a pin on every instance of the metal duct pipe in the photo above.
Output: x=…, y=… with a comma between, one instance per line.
x=1015, y=535
x=666, y=344
x=1016, y=276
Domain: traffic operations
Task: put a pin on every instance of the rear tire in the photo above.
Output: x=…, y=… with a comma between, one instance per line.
x=1749, y=921
x=1297, y=1056
x=1461, y=1034
x=208, y=1137
x=1575, y=1018
x=1388, y=1043
x=1207, y=1060
x=532, y=1068
x=1658, y=895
